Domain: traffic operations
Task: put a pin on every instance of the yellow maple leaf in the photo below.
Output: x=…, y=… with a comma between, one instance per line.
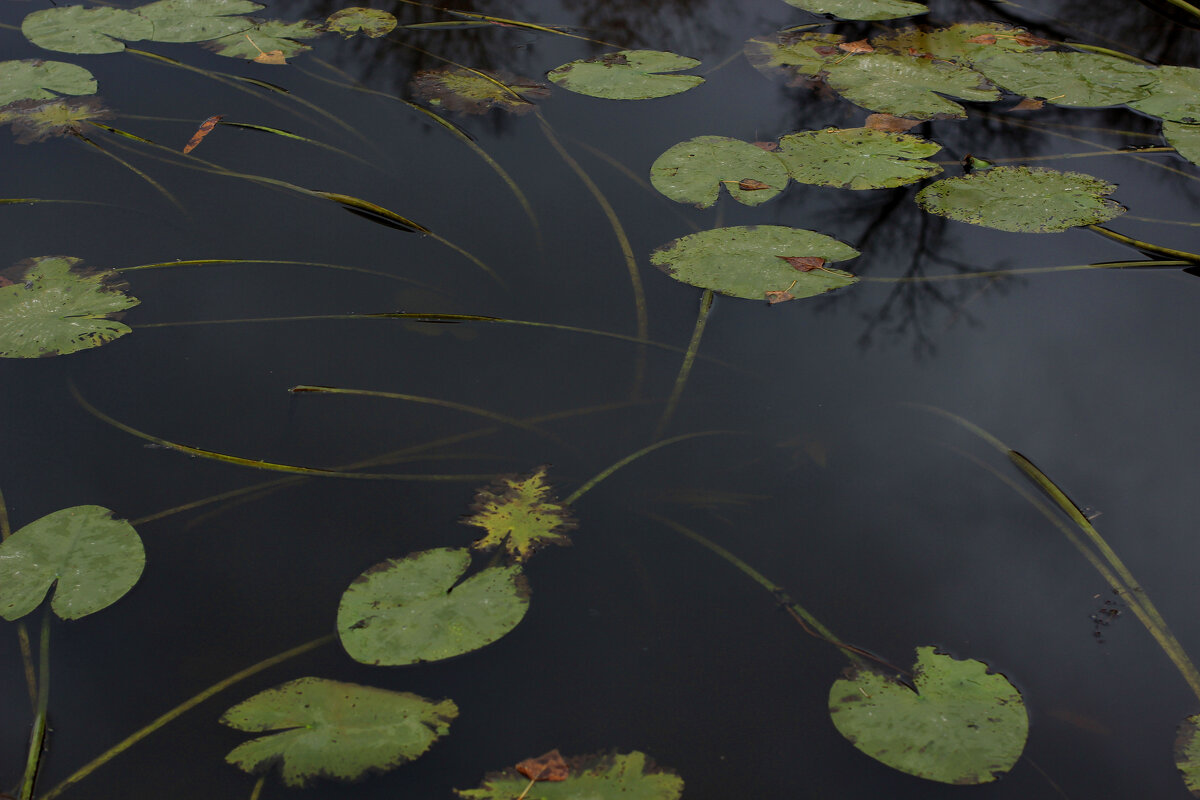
x=518, y=513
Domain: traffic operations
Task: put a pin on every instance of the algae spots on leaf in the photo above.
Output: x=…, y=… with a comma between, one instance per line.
x=470, y=91
x=861, y=9
x=520, y=514
x=42, y=80
x=694, y=171
x=611, y=776
x=627, y=75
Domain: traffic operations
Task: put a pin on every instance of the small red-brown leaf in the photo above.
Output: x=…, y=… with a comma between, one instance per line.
x=983, y=38
x=804, y=263
x=1028, y=104
x=768, y=146
x=751, y=185
x=1029, y=40
x=201, y=132
x=270, y=57
x=825, y=50
x=779, y=297
x=889, y=123
x=860, y=46
x=546, y=767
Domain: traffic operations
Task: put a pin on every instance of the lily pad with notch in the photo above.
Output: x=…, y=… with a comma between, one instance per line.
x=908, y=86
x=1174, y=96
x=197, y=20
x=627, y=75
x=958, y=723
x=266, y=38
x=470, y=91
x=371, y=22
x=861, y=9
x=857, y=158
x=1077, y=80
x=694, y=171
x=33, y=79
x=614, y=776
x=324, y=728
x=75, y=29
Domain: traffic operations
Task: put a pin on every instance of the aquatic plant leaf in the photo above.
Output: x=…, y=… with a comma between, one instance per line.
x=411, y=609
x=37, y=120
x=54, y=307
x=627, y=75
x=75, y=29
x=1022, y=199
x=600, y=777
x=857, y=158
x=861, y=9
x=550, y=766
x=908, y=86
x=751, y=261
x=370, y=21
x=962, y=725
x=1080, y=80
x=205, y=129
x=1174, y=95
x=197, y=20
x=1187, y=753
x=961, y=43
x=1184, y=138
x=797, y=55
x=42, y=80
x=693, y=171
x=475, y=91
x=332, y=729
x=265, y=38
x=89, y=558
x=519, y=514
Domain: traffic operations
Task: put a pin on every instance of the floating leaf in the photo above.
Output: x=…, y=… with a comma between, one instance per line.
x=962, y=725
x=476, y=92
x=889, y=124
x=694, y=171
x=54, y=308
x=908, y=86
x=861, y=9
x=371, y=21
x=1174, y=95
x=961, y=43
x=197, y=20
x=857, y=158
x=749, y=261
x=795, y=55
x=601, y=777
x=204, y=129
x=627, y=75
x=93, y=558
x=1187, y=753
x=1022, y=199
x=1082, y=80
x=42, y=80
x=37, y=120
x=75, y=29
x=519, y=513
x=335, y=730
x=266, y=38
x=547, y=767
x=412, y=609
x=1184, y=138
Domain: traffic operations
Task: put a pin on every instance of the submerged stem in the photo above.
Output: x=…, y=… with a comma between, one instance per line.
x=22, y=630
x=685, y=368
x=37, y=736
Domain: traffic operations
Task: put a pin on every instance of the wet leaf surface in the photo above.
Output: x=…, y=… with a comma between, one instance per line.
x=1184, y=138
x=603, y=777
x=857, y=158
x=520, y=514
x=266, y=38
x=197, y=20
x=694, y=171
x=75, y=29
x=1083, y=80
x=908, y=86
x=1174, y=95
x=627, y=75
x=42, y=80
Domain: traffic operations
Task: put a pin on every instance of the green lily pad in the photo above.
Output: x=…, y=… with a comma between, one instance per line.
x=962, y=43
x=197, y=20
x=908, y=86
x=857, y=158
x=1080, y=80
x=75, y=29
x=476, y=92
x=42, y=80
x=370, y=21
x=695, y=170
x=599, y=777
x=1185, y=139
x=861, y=9
x=1022, y=199
x=751, y=261
x=627, y=75
x=1187, y=753
x=267, y=37
x=411, y=609
x=795, y=55
x=90, y=558
x=962, y=725
x=53, y=308
x=1174, y=95
x=334, y=730
x=519, y=514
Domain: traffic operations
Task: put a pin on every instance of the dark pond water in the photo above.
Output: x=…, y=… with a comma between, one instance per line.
x=637, y=638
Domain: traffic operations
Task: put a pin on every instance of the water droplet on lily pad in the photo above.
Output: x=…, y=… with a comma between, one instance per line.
x=1022, y=199
x=861, y=9
x=42, y=80
x=694, y=171
x=627, y=75
x=857, y=158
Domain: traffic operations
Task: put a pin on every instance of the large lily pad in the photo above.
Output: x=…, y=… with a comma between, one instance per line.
x=602, y=777
x=1187, y=753
x=695, y=170
x=908, y=86
x=961, y=43
x=53, y=307
x=197, y=20
x=861, y=9
x=90, y=558
x=962, y=725
x=335, y=730
x=470, y=91
x=627, y=75
x=857, y=158
x=1022, y=199
x=266, y=38
x=1184, y=138
x=370, y=21
x=520, y=514
x=752, y=261
x=1082, y=80
x=42, y=80
x=412, y=609
x=75, y=29
x=1174, y=96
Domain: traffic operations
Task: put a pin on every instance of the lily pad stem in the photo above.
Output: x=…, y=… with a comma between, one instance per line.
x=1146, y=247
x=37, y=737
x=22, y=631
x=685, y=368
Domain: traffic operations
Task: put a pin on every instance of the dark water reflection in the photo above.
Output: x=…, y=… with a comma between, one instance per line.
x=636, y=637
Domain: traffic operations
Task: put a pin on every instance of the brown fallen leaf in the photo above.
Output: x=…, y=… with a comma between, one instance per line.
x=1029, y=40
x=889, y=123
x=860, y=46
x=1028, y=104
x=983, y=38
x=751, y=185
x=770, y=147
x=825, y=50
x=804, y=263
x=270, y=57
x=201, y=132
x=779, y=297
x=546, y=767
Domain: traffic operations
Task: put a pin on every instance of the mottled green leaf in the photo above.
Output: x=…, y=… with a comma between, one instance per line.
x=857, y=158
x=750, y=261
x=1185, y=139
x=52, y=308
x=861, y=9
x=1174, y=95
x=42, y=80
x=695, y=170
x=962, y=725
x=795, y=55
x=90, y=558
x=197, y=20
x=520, y=514
x=908, y=86
x=266, y=37
x=472, y=91
x=603, y=777
x=370, y=21
x=1022, y=199
x=1085, y=80
x=412, y=609
x=37, y=120
x=75, y=29
x=627, y=75
x=1187, y=753
x=962, y=43
x=334, y=730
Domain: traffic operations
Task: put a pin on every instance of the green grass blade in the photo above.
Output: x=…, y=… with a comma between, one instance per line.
x=685, y=368
x=210, y=262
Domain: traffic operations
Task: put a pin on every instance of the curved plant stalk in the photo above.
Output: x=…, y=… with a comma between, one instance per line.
x=311, y=472
x=685, y=368
x=297, y=137
x=1106, y=51
x=187, y=705
x=157, y=186
x=508, y=23
x=1146, y=247
x=214, y=262
x=1188, y=7
x=37, y=736
x=1062, y=156
x=22, y=630
x=23, y=201
x=1001, y=273
x=634, y=456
